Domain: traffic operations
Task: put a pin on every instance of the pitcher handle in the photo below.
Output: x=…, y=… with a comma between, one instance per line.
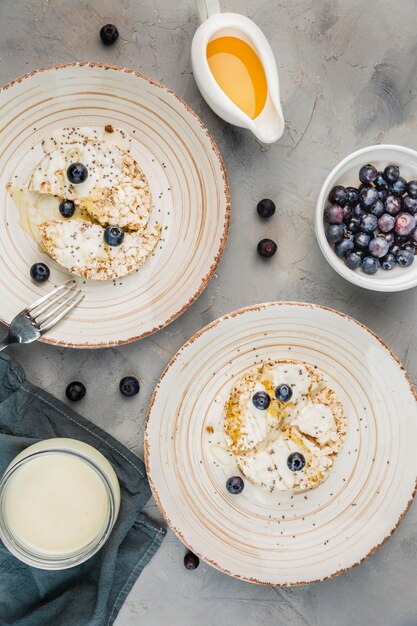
x=206, y=8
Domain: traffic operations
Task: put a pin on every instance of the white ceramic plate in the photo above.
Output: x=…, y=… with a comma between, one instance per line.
x=296, y=538
x=188, y=183
x=347, y=173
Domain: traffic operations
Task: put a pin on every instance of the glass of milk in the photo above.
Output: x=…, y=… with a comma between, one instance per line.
x=59, y=500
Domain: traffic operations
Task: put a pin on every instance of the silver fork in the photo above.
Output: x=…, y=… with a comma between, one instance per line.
x=42, y=315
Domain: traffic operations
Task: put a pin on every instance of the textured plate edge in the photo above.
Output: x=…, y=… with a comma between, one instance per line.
x=241, y=311
x=206, y=279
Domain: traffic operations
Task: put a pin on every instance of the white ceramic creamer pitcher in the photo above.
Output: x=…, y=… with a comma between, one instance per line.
x=268, y=126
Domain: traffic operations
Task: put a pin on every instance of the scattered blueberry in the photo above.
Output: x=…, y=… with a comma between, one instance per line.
x=367, y=174
x=388, y=262
x=386, y=223
x=391, y=173
x=235, y=485
x=379, y=247
x=75, y=391
x=393, y=205
x=334, y=233
x=399, y=187
x=352, y=195
x=412, y=188
x=378, y=209
x=266, y=208
x=368, y=196
x=67, y=208
x=296, y=461
x=283, y=393
x=380, y=182
x=114, y=235
x=338, y=195
x=370, y=265
x=267, y=248
x=261, y=400
x=39, y=272
x=344, y=247
x=410, y=204
x=129, y=386
x=404, y=224
x=77, y=173
x=362, y=240
x=333, y=214
x=353, y=260
x=191, y=561
x=109, y=34
x=369, y=223
x=404, y=258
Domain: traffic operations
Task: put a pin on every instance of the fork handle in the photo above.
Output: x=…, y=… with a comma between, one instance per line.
x=3, y=344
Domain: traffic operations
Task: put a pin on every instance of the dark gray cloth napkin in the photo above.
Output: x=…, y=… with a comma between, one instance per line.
x=92, y=593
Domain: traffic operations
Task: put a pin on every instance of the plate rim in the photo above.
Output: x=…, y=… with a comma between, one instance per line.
x=189, y=342
x=226, y=190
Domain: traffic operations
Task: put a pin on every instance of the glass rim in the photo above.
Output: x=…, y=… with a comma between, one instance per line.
x=57, y=561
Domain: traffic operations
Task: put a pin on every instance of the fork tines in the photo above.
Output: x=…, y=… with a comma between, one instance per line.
x=51, y=308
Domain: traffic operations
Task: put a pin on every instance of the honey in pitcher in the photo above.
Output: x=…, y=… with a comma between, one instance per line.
x=239, y=72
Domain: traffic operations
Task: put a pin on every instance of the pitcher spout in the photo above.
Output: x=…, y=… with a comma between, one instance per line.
x=269, y=126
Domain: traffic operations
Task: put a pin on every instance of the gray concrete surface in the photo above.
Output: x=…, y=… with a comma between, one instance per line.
x=348, y=71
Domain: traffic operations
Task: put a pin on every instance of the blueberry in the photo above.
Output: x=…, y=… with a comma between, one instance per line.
x=399, y=187
x=77, y=173
x=386, y=223
x=114, y=235
x=391, y=173
x=347, y=213
x=370, y=265
x=413, y=237
x=368, y=196
x=261, y=400
x=344, y=247
x=395, y=249
x=266, y=208
x=410, y=204
x=390, y=238
x=235, y=485
x=367, y=174
x=388, y=262
x=412, y=188
x=404, y=224
x=404, y=258
x=338, y=195
x=129, y=386
x=334, y=233
x=75, y=391
x=109, y=34
x=333, y=214
x=409, y=247
x=191, y=561
x=296, y=461
x=378, y=209
x=393, y=205
x=39, y=272
x=353, y=225
x=283, y=393
x=353, y=260
x=380, y=182
x=267, y=248
x=67, y=208
x=382, y=194
x=362, y=240
x=358, y=211
x=379, y=247
x=352, y=195
x=369, y=223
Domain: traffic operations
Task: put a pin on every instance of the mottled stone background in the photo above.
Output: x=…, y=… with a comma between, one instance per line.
x=348, y=71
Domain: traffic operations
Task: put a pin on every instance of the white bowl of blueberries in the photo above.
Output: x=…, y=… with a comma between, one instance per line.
x=366, y=218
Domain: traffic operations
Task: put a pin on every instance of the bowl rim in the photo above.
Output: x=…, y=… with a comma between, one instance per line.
x=273, y=305
x=225, y=191
x=360, y=280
